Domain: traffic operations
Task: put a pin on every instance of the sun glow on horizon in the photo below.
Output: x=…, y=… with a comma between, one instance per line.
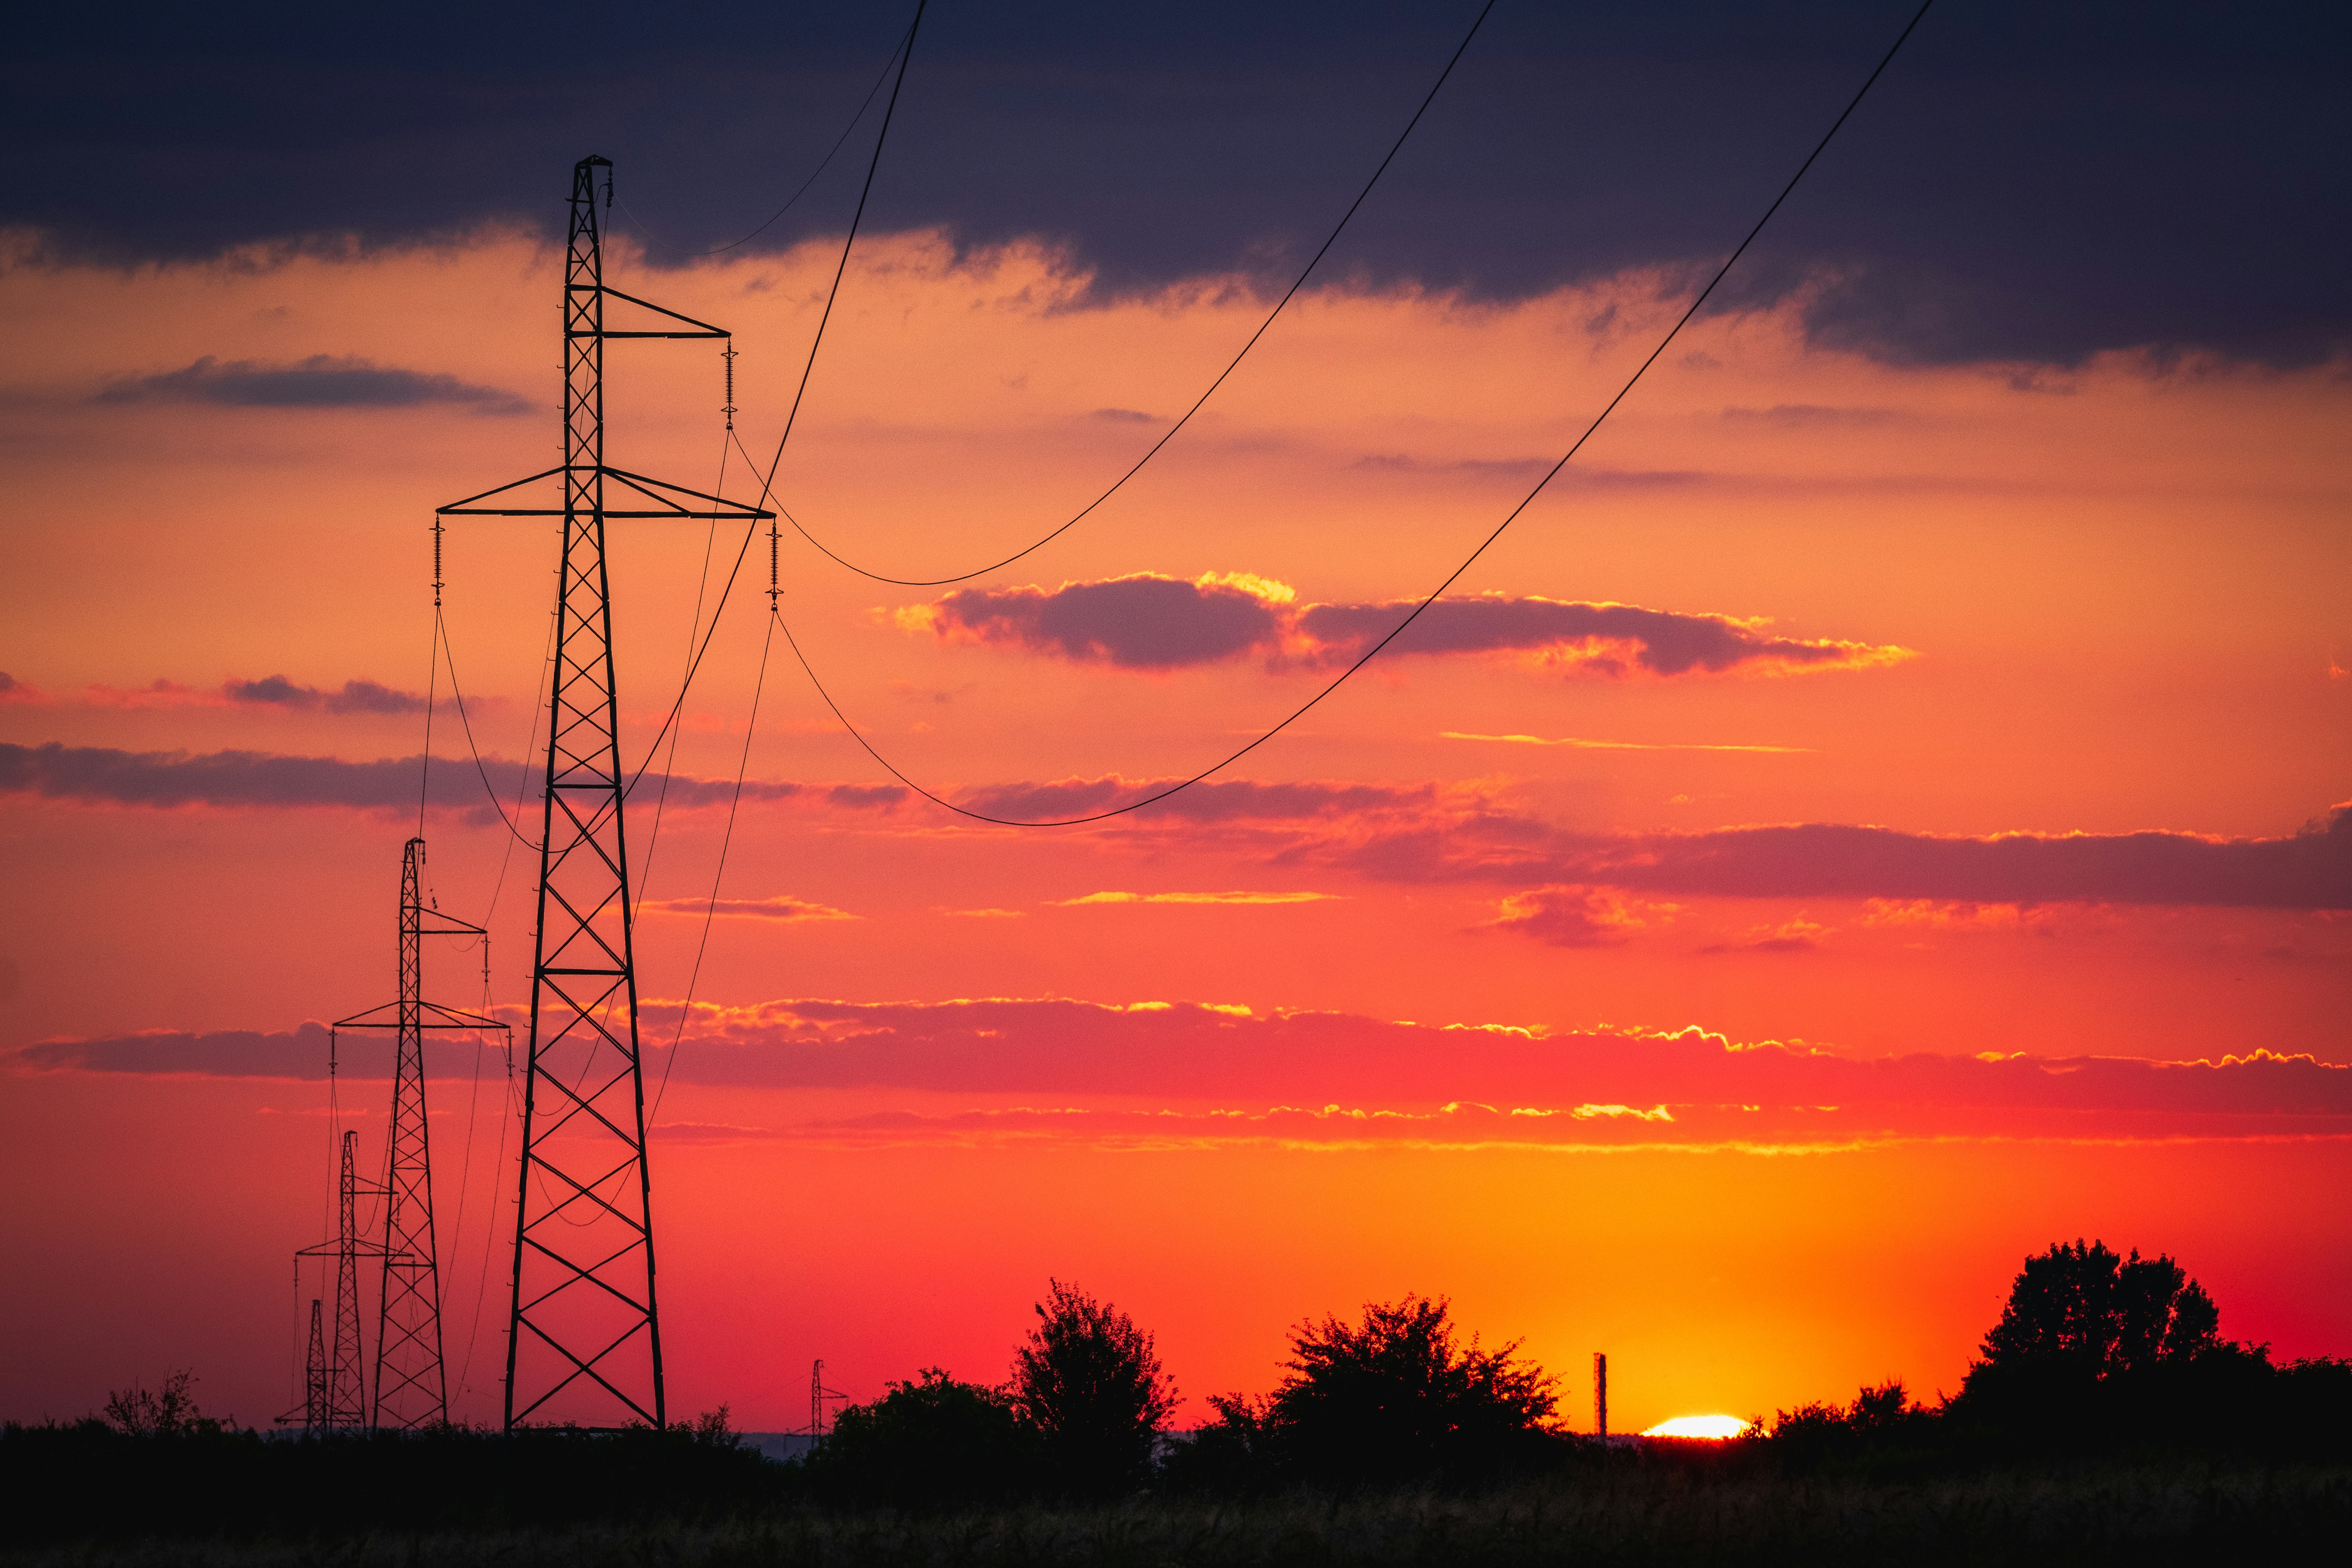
x=1716, y=1427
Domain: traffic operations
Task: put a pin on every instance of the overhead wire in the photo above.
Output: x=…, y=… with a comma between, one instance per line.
x=1234, y=363
x=1450, y=577
x=823, y=163
x=686, y=1008
x=890, y=112
x=458, y=697
x=670, y=765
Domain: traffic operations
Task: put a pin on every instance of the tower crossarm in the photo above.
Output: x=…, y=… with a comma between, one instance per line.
x=700, y=329
x=388, y=1017
x=656, y=491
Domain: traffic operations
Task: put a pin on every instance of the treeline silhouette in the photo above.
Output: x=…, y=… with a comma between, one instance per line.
x=2095, y=1357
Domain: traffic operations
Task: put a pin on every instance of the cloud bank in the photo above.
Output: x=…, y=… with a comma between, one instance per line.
x=1149, y=622
x=1191, y=1070
x=1414, y=833
x=105, y=775
x=322, y=381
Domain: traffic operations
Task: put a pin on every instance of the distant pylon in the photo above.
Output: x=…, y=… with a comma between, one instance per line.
x=412, y=1387
x=583, y=1339
x=315, y=1383
x=1599, y=1394
x=312, y=1411
x=345, y=1403
x=818, y=1395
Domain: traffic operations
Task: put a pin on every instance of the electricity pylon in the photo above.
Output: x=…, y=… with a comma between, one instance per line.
x=819, y=1395
x=583, y=1338
x=344, y=1405
x=412, y=1388
x=314, y=1377
x=312, y=1412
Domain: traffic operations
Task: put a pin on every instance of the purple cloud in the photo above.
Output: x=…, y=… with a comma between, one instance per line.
x=1144, y=622
x=1150, y=622
x=356, y=696
x=322, y=381
x=105, y=775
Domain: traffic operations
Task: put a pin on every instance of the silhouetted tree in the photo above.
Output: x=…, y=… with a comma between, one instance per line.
x=931, y=1443
x=2082, y=1308
x=2094, y=1347
x=1091, y=1384
x=1391, y=1400
x=167, y=1412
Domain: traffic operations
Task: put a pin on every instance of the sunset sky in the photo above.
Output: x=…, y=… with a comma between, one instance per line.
x=1885, y=807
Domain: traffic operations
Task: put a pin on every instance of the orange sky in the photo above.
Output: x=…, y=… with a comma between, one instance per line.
x=2118, y=593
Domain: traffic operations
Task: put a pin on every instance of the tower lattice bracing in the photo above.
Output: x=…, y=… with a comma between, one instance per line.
x=315, y=1383
x=338, y=1400
x=411, y=1383
x=584, y=1331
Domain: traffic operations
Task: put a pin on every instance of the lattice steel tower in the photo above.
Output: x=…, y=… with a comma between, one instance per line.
x=583, y=1342
x=412, y=1387
x=343, y=1405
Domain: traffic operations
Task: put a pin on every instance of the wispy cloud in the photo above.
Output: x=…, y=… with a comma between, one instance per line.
x=1236, y=897
x=322, y=381
x=781, y=907
x=1579, y=743
x=1577, y=917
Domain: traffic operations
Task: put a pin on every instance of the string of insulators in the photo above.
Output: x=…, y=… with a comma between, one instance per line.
x=728, y=354
x=437, y=532
x=773, y=536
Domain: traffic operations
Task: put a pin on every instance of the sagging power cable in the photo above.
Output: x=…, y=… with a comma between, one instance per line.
x=1370, y=654
x=1234, y=363
x=767, y=483
x=823, y=163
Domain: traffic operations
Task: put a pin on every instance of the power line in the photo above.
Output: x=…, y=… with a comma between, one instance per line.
x=686, y=1009
x=1452, y=577
x=459, y=697
x=904, y=43
x=1170, y=434
x=906, y=55
x=906, y=58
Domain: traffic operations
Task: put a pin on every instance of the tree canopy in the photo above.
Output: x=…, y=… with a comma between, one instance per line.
x=934, y=1442
x=1392, y=1399
x=1090, y=1381
x=2081, y=1309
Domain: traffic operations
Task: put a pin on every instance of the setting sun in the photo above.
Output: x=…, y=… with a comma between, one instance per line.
x=1698, y=1427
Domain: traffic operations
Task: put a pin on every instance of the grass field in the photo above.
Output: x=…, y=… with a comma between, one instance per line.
x=2176, y=1513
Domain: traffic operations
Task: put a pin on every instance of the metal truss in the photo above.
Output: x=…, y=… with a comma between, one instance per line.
x=411, y=1386
x=342, y=1403
x=584, y=1345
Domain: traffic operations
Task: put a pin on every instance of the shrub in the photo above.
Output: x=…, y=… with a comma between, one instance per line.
x=1090, y=1382
x=1392, y=1400
x=934, y=1443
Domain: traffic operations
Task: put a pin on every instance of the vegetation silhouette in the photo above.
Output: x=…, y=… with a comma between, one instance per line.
x=1091, y=1384
x=2103, y=1350
x=1390, y=1401
x=2106, y=1418
x=169, y=1411
x=930, y=1444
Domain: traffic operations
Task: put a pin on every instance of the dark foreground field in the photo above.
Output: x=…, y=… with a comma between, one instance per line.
x=2170, y=1512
